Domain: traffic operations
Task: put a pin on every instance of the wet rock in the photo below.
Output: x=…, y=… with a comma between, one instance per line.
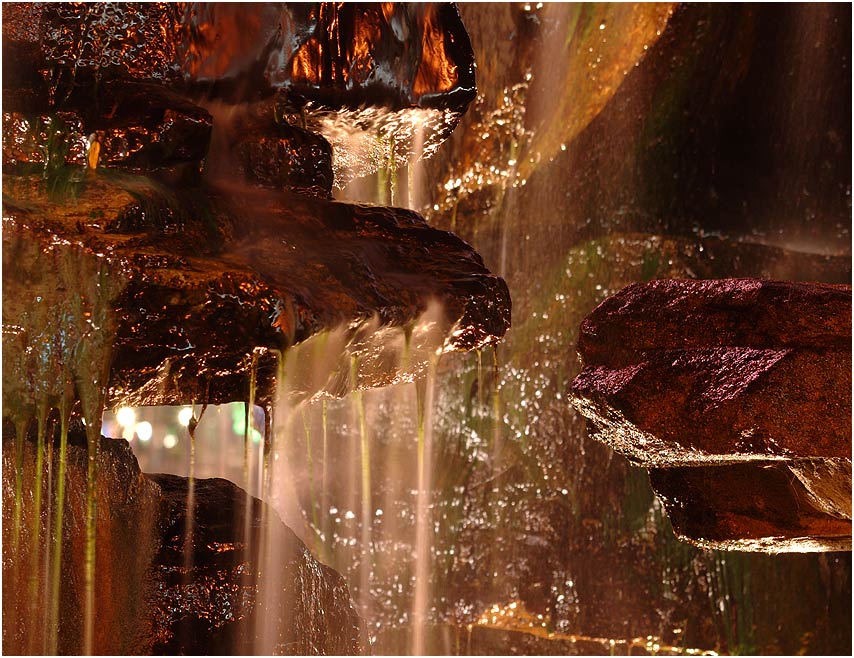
x=75, y=43
x=691, y=314
x=705, y=382
x=670, y=151
x=136, y=127
x=677, y=372
x=757, y=506
x=399, y=73
x=214, y=598
x=127, y=507
x=288, y=158
x=553, y=68
x=338, y=56
x=264, y=269
x=828, y=484
x=152, y=595
x=255, y=143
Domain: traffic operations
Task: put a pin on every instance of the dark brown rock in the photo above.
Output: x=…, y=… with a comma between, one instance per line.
x=351, y=55
x=410, y=65
x=706, y=382
x=136, y=127
x=341, y=56
x=674, y=314
x=255, y=143
x=162, y=592
x=757, y=506
x=211, y=597
x=127, y=508
x=204, y=278
x=678, y=372
x=72, y=43
x=287, y=158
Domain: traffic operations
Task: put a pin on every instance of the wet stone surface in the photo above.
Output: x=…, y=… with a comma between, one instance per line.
x=287, y=158
x=342, y=56
x=132, y=126
x=265, y=269
x=215, y=222
x=686, y=371
x=410, y=66
x=701, y=375
x=213, y=599
x=123, y=592
x=757, y=506
x=164, y=592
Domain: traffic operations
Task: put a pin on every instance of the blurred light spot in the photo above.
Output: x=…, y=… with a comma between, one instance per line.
x=185, y=415
x=126, y=417
x=144, y=430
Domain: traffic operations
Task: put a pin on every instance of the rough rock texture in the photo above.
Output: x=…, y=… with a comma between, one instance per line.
x=703, y=381
x=213, y=226
x=162, y=592
x=828, y=484
x=341, y=56
x=219, y=598
x=317, y=57
x=134, y=126
x=685, y=371
x=287, y=157
x=758, y=506
x=127, y=508
x=264, y=269
x=689, y=314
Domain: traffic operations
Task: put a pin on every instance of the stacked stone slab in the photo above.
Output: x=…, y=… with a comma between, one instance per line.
x=174, y=588
x=168, y=234
x=736, y=395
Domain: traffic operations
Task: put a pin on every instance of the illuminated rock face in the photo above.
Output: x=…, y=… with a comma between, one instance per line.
x=137, y=127
x=716, y=378
x=206, y=277
x=405, y=71
x=219, y=216
x=126, y=539
x=211, y=596
x=339, y=55
x=162, y=592
x=391, y=54
x=754, y=506
x=168, y=235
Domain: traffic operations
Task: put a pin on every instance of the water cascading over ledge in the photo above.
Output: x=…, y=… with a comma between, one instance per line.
x=168, y=237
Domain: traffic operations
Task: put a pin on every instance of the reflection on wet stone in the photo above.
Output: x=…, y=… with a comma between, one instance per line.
x=199, y=209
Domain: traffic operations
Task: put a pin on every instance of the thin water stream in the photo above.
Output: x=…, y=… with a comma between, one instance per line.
x=463, y=501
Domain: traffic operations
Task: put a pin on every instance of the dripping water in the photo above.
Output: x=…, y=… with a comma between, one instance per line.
x=425, y=389
x=366, y=554
x=56, y=561
x=35, y=542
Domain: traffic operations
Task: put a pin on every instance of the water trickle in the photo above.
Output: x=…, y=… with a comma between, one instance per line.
x=425, y=389
x=56, y=559
x=392, y=172
x=325, y=529
x=20, y=430
x=38, y=548
x=310, y=468
x=366, y=554
x=247, y=420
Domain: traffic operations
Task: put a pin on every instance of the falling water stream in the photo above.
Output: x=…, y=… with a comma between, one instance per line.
x=463, y=502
